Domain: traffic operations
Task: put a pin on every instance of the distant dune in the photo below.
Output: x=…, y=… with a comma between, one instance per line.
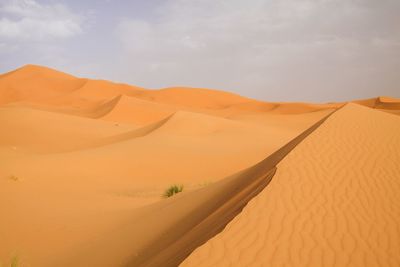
x=84, y=163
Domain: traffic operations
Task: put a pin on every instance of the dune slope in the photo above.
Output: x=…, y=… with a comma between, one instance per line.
x=83, y=179
x=84, y=163
x=188, y=220
x=333, y=201
x=32, y=130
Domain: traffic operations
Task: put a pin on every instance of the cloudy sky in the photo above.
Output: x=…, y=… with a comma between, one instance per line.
x=287, y=50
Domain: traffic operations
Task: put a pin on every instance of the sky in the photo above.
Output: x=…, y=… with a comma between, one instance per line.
x=273, y=50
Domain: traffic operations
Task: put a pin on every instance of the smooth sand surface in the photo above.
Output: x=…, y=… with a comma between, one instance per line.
x=333, y=201
x=84, y=163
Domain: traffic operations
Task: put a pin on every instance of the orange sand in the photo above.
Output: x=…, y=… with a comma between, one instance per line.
x=333, y=202
x=83, y=165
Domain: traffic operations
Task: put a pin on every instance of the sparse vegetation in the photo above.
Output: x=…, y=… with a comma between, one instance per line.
x=172, y=190
x=14, y=178
x=206, y=183
x=14, y=262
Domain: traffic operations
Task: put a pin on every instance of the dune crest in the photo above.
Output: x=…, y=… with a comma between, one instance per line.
x=84, y=164
x=188, y=220
x=332, y=201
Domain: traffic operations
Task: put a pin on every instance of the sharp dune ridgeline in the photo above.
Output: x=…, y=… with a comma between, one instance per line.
x=84, y=165
x=334, y=201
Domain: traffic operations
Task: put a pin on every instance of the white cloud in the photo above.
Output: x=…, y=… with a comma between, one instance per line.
x=312, y=49
x=27, y=20
x=321, y=50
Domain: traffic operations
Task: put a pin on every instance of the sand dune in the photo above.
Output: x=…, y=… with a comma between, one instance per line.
x=388, y=103
x=36, y=84
x=83, y=165
x=26, y=129
x=188, y=220
x=137, y=111
x=42, y=87
x=332, y=202
x=194, y=97
x=109, y=180
x=295, y=108
x=103, y=90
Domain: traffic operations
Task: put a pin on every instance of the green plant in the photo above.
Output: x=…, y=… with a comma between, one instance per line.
x=172, y=190
x=14, y=261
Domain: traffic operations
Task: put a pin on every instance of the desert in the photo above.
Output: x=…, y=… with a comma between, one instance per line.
x=199, y=133
x=85, y=163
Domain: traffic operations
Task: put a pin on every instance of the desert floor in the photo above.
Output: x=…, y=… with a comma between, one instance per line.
x=84, y=164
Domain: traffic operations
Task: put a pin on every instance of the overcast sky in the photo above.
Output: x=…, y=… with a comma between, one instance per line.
x=277, y=50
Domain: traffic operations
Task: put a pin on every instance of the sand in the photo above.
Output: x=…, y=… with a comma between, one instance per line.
x=333, y=202
x=83, y=165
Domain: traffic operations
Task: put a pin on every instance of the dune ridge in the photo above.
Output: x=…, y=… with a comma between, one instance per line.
x=140, y=132
x=332, y=201
x=192, y=218
x=33, y=130
x=84, y=163
x=63, y=92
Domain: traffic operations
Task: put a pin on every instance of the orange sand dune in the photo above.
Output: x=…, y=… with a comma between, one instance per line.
x=294, y=108
x=107, y=177
x=71, y=106
x=48, y=87
x=333, y=202
x=194, y=97
x=25, y=129
x=388, y=103
x=370, y=102
x=103, y=90
x=137, y=111
x=83, y=165
x=117, y=222
x=36, y=84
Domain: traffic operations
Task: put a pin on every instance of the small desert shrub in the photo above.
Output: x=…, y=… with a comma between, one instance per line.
x=206, y=183
x=14, y=262
x=172, y=190
x=14, y=178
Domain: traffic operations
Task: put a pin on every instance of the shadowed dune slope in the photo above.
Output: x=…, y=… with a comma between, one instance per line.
x=171, y=148
x=333, y=201
x=295, y=108
x=103, y=90
x=137, y=111
x=83, y=165
x=388, y=103
x=70, y=106
x=31, y=130
x=188, y=219
x=94, y=194
x=382, y=102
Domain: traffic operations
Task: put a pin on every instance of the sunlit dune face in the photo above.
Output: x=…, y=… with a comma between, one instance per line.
x=192, y=176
